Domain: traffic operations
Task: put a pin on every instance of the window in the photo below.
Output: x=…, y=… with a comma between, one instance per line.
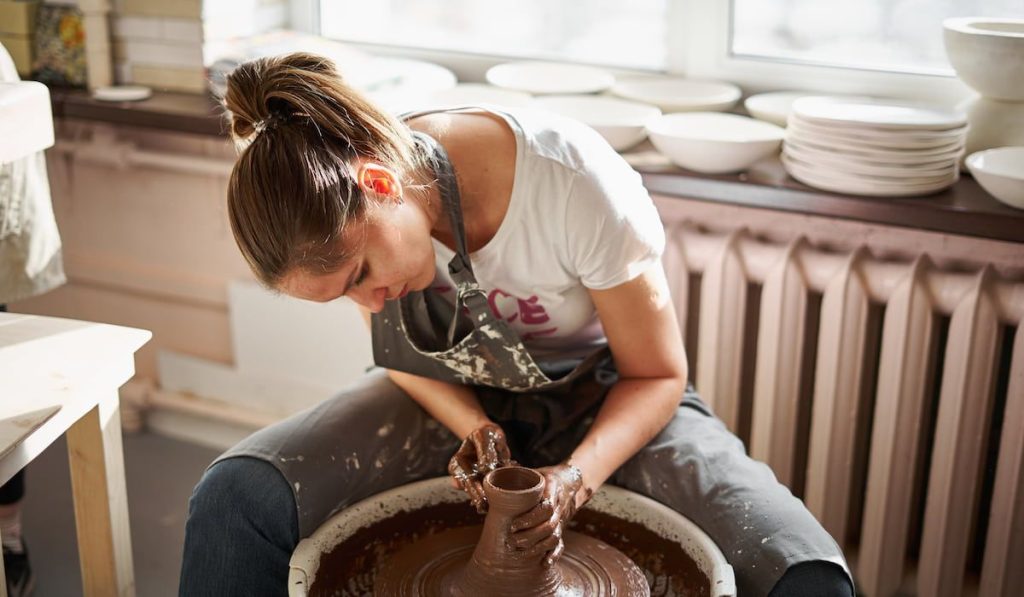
x=889, y=35
x=607, y=32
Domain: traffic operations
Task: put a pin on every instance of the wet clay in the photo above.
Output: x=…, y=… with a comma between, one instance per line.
x=464, y=562
x=351, y=568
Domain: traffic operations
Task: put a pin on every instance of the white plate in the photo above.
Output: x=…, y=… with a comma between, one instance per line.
x=925, y=162
x=773, y=107
x=478, y=93
x=122, y=93
x=874, y=138
x=679, y=95
x=621, y=122
x=398, y=75
x=878, y=151
x=886, y=114
x=841, y=162
x=549, y=77
x=861, y=186
x=841, y=172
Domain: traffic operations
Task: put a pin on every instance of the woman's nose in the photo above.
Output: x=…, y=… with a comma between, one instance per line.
x=371, y=298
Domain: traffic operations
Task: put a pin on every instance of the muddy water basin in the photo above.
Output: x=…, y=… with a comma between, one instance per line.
x=342, y=557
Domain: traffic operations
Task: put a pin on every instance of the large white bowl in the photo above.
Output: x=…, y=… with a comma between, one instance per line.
x=678, y=95
x=622, y=123
x=714, y=143
x=775, y=106
x=541, y=77
x=986, y=54
x=1000, y=171
x=626, y=505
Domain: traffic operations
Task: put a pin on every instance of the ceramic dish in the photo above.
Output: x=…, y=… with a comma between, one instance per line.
x=478, y=93
x=980, y=49
x=714, y=143
x=872, y=159
x=679, y=95
x=824, y=170
x=883, y=114
x=854, y=166
x=798, y=127
x=549, y=77
x=773, y=107
x=404, y=74
x=877, y=151
x=622, y=123
x=861, y=186
x=1000, y=171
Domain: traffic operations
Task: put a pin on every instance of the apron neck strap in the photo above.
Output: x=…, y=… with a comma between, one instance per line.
x=448, y=187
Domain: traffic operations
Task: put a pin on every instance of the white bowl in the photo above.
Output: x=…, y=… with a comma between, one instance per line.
x=622, y=123
x=610, y=500
x=986, y=54
x=549, y=77
x=1000, y=171
x=714, y=143
x=679, y=95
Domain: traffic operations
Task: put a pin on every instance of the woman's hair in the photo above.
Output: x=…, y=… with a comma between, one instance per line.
x=293, y=189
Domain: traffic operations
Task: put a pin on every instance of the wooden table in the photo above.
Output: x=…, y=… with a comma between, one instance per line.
x=73, y=369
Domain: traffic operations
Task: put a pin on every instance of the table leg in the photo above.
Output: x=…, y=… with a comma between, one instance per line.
x=3, y=578
x=101, y=503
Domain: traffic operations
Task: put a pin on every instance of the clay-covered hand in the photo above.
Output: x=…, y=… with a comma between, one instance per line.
x=483, y=450
x=539, y=531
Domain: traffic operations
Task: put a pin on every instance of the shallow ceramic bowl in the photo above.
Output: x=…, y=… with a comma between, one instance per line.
x=714, y=143
x=622, y=123
x=477, y=93
x=986, y=54
x=610, y=500
x=678, y=95
x=1000, y=171
x=773, y=107
x=541, y=77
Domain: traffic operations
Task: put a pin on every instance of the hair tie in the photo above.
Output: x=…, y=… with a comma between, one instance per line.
x=269, y=122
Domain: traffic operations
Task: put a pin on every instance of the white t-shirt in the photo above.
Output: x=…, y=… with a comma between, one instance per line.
x=579, y=217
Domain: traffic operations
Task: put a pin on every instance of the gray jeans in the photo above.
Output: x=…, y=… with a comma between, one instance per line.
x=245, y=517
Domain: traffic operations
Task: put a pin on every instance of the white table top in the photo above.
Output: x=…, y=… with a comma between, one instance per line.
x=48, y=362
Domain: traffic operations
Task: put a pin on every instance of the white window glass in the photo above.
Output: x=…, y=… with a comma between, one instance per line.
x=608, y=32
x=891, y=35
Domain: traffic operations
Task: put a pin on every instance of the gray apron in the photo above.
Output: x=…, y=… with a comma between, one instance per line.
x=373, y=437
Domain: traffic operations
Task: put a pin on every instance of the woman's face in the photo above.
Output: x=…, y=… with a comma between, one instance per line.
x=391, y=250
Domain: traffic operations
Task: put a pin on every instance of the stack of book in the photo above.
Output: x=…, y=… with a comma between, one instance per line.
x=17, y=26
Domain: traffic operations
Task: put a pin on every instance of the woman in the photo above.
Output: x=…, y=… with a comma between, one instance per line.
x=509, y=267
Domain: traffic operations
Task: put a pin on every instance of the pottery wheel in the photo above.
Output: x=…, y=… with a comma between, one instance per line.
x=433, y=566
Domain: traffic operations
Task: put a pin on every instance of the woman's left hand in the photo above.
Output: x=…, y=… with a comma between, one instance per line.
x=539, y=531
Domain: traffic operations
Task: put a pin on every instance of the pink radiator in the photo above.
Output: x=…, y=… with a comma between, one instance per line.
x=887, y=392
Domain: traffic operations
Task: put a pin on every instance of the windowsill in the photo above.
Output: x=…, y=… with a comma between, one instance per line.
x=964, y=209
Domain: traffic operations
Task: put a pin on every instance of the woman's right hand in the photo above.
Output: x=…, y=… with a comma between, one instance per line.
x=483, y=450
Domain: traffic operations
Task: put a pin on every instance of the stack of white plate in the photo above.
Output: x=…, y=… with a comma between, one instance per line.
x=872, y=147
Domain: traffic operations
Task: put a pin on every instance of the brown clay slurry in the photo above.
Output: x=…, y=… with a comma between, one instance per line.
x=450, y=533
x=464, y=562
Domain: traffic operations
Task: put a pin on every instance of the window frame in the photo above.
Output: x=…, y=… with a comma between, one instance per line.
x=698, y=46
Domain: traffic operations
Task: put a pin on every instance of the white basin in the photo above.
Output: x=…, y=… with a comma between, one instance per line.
x=1000, y=171
x=986, y=54
x=26, y=121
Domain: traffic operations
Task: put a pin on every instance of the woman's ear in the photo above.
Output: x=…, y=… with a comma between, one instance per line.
x=377, y=179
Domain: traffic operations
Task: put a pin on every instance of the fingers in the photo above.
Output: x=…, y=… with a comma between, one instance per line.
x=556, y=553
x=539, y=514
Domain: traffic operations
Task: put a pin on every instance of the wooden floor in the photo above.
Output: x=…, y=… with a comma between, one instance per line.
x=161, y=473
